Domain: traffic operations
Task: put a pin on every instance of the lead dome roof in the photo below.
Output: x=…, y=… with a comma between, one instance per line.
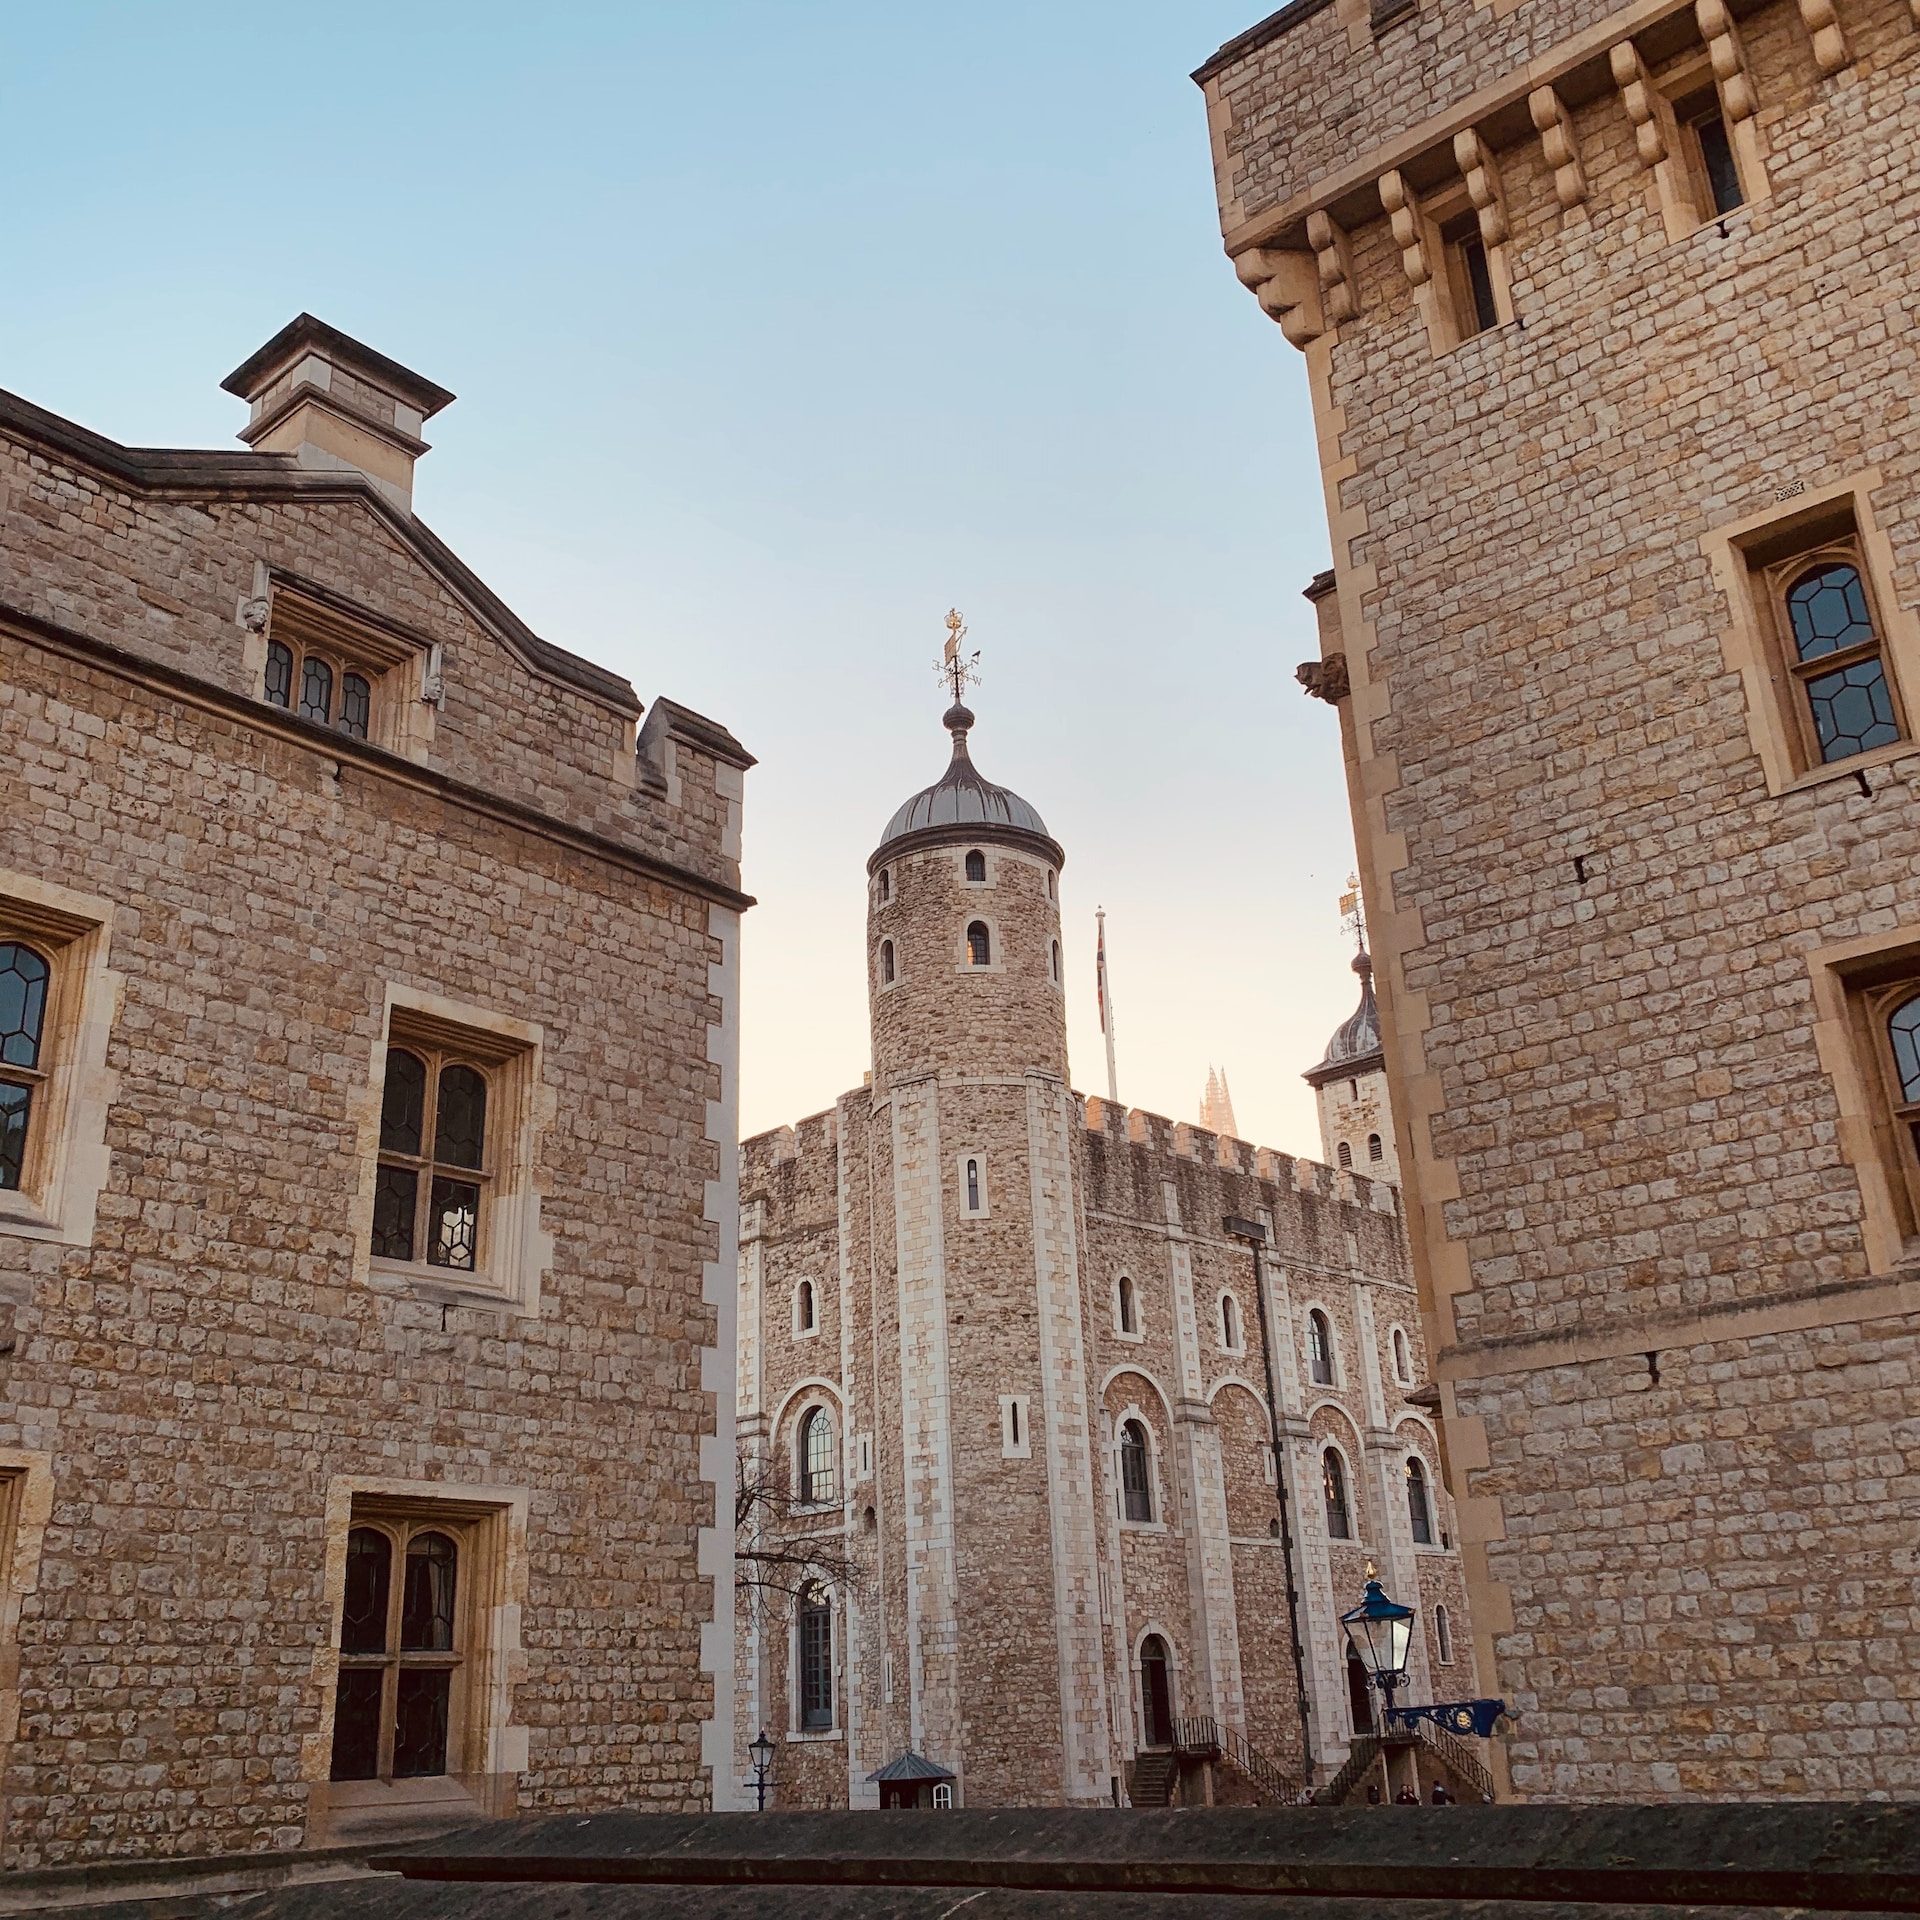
x=1356, y=1046
x=963, y=804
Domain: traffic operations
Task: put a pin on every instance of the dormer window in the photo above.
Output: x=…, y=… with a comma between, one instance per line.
x=348, y=669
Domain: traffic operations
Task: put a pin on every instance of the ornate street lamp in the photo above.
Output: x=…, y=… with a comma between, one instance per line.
x=1381, y=1630
x=762, y=1752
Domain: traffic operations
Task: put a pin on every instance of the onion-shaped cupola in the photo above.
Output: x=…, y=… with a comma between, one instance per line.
x=1355, y=1047
x=963, y=804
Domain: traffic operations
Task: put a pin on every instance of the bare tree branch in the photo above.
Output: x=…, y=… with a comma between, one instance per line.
x=782, y=1548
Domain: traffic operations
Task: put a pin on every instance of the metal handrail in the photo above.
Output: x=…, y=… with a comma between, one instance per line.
x=1457, y=1756
x=1205, y=1737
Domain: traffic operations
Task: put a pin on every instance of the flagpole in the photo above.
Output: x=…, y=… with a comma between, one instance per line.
x=1106, y=1007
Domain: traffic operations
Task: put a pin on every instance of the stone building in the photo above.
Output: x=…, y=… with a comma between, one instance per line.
x=1006, y=1381
x=1606, y=315
x=367, y=1082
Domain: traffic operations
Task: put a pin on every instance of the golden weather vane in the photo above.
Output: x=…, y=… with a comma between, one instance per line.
x=959, y=670
x=1353, y=911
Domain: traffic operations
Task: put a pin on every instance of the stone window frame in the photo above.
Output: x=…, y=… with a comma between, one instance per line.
x=491, y=1594
x=1230, y=1335
x=26, y=1510
x=1682, y=93
x=1124, y=1284
x=863, y=1457
x=886, y=954
x=1056, y=970
x=978, y=1158
x=1132, y=1414
x=1430, y=1485
x=806, y=1405
x=883, y=887
x=986, y=867
x=1376, y=1149
x=1442, y=1635
x=1349, y=1486
x=1398, y=1340
x=67, y=1155
x=1151, y=1629
x=1744, y=555
x=996, y=961
x=1856, y=983
x=517, y=1253
x=1016, y=1426
x=796, y=1732
x=1334, y=1365
x=807, y=1327
x=1447, y=224
x=1343, y=1155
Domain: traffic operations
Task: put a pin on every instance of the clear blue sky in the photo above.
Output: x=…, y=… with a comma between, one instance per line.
x=777, y=329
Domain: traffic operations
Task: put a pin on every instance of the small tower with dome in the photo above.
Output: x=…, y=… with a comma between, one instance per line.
x=1350, y=1085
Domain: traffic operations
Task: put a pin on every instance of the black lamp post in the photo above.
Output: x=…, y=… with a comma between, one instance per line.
x=762, y=1751
x=1381, y=1631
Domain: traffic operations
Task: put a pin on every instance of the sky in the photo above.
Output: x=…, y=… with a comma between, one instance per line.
x=778, y=329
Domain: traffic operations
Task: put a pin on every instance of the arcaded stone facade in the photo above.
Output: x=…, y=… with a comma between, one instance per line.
x=358, y=1464
x=1605, y=314
x=1006, y=1376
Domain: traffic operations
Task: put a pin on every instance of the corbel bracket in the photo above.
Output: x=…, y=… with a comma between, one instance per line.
x=1477, y=167
x=1287, y=286
x=1829, y=42
x=1554, y=124
x=1636, y=95
x=1406, y=227
x=1329, y=243
x=1729, y=59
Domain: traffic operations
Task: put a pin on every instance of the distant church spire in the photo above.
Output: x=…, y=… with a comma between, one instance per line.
x=1216, y=1106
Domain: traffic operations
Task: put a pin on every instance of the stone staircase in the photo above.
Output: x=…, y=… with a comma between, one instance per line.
x=1153, y=1779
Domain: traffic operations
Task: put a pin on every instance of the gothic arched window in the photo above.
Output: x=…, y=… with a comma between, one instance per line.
x=1136, y=1481
x=1419, y=1506
x=886, y=963
x=815, y=1450
x=1125, y=1312
x=25, y=979
x=814, y=1629
x=976, y=865
x=1333, y=1480
x=979, y=944
x=1837, y=661
x=1319, y=1349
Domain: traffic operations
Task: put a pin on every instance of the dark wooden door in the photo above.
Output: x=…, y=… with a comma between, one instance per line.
x=1359, y=1694
x=1156, y=1695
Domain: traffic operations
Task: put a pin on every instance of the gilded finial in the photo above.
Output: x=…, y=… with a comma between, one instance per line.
x=959, y=670
x=1353, y=912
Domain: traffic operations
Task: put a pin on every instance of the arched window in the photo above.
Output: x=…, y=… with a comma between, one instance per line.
x=973, y=1185
x=1125, y=1311
x=1229, y=1322
x=976, y=865
x=1837, y=662
x=815, y=1449
x=1319, y=1349
x=1053, y=962
x=399, y=1654
x=1053, y=882
x=804, y=1312
x=886, y=963
x=1136, y=1483
x=1443, y=1636
x=430, y=1202
x=25, y=979
x=1333, y=1479
x=979, y=945
x=886, y=885
x=1419, y=1507
x=1375, y=1150
x=942, y=1795
x=1346, y=1154
x=815, y=1633
x=1402, y=1358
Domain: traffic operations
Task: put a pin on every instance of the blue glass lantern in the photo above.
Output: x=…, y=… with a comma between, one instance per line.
x=1381, y=1630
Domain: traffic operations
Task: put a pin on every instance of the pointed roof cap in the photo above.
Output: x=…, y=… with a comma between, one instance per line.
x=964, y=805
x=1355, y=1047
x=908, y=1765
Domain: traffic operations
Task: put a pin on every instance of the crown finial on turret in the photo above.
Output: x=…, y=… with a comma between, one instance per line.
x=959, y=670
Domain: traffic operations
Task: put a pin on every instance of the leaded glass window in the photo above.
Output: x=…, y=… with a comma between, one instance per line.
x=356, y=704
x=25, y=981
x=1838, y=662
x=316, y=690
x=815, y=1449
x=429, y=1098
x=815, y=1634
x=1333, y=1480
x=279, y=673
x=1136, y=1483
x=400, y=1652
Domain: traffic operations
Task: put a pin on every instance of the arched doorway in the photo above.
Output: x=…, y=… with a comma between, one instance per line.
x=1359, y=1694
x=1156, y=1694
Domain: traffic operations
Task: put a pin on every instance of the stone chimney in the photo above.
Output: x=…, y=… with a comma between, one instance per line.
x=336, y=406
